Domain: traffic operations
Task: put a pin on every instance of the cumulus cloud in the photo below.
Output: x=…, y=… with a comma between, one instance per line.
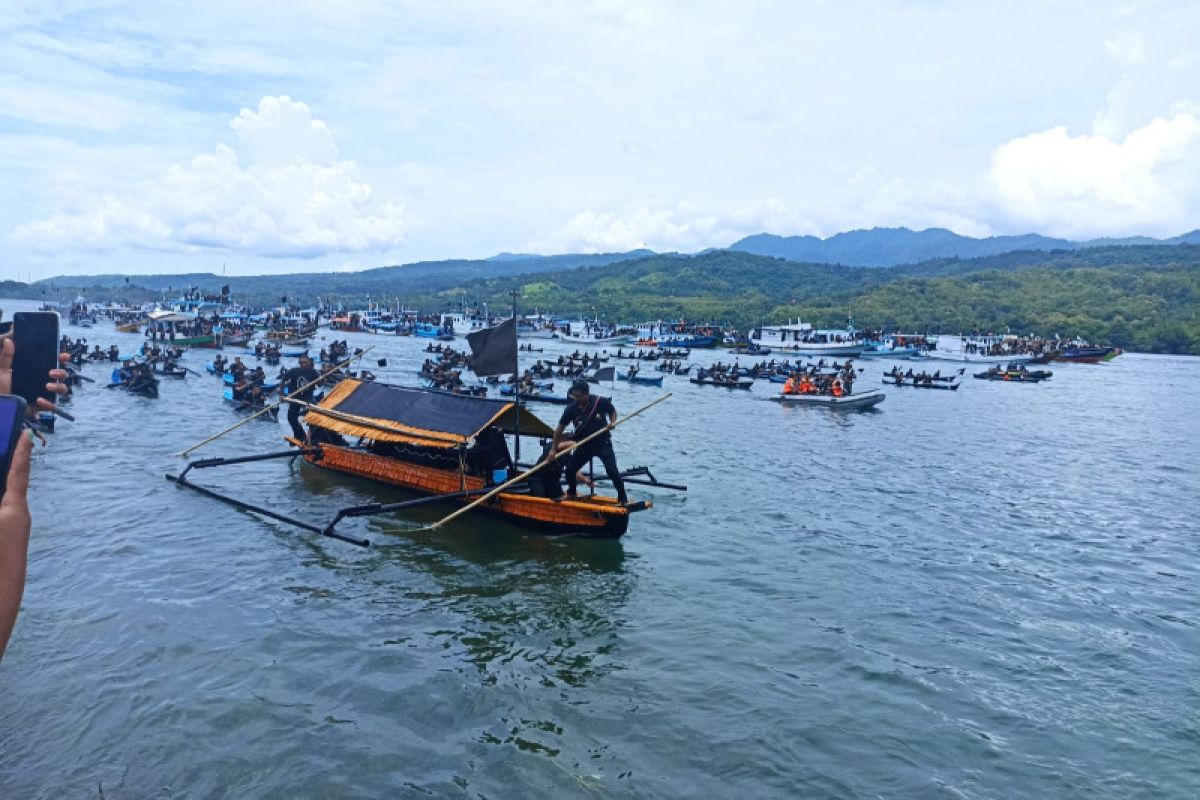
x=1093, y=184
x=280, y=189
x=681, y=228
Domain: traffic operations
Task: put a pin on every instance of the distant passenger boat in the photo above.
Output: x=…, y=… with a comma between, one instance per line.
x=803, y=338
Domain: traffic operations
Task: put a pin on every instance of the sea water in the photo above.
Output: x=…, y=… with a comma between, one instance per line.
x=988, y=593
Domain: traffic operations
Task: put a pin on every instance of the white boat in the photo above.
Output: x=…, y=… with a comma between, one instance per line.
x=462, y=324
x=848, y=402
x=536, y=327
x=803, y=338
x=592, y=333
x=977, y=350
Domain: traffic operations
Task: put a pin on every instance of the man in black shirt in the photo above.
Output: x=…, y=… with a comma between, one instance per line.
x=293, y=380
x=589, y=414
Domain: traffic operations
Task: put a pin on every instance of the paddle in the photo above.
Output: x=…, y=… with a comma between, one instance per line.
x=276, y=404
x=538, y=466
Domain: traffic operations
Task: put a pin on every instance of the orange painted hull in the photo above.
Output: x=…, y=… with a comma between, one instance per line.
x=593, y=517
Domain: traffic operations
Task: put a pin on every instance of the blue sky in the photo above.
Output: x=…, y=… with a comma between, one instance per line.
x=305, y=135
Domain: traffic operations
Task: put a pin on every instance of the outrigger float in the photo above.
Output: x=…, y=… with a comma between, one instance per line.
x=451, y=448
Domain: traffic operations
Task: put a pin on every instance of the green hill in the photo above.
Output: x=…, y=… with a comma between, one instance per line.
x=1141, y=297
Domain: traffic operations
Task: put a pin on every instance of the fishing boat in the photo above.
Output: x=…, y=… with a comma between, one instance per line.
x=536, y=396
x=591, y=332
x=847, y=402
x=802, y=337
x=928, y=382
x=146, y=388
x=1086, y=355
x=645, y=380
x=979, y=350
x=129, y=327
x=236, y=339
x=450, y=448
x=1015, y=375
x=243, y=406
x=228, y=379
x=735, y=383
x=174, y=372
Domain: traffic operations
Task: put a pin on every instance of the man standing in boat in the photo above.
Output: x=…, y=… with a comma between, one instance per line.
x=589, y=414
x=293, y=380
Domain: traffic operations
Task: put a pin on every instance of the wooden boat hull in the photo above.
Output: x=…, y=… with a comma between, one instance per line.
x=592, y=517
x=951, y=386
x=847, y=402
x=640, y=379
x=739, y=384
x=129, y=327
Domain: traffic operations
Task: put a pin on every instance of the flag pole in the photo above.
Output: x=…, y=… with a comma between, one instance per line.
x=516, y=380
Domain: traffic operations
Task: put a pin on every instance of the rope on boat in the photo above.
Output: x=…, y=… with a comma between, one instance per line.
x=277, y=404
x=538, y=466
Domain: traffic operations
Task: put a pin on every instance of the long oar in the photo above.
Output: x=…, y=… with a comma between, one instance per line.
x=539, y=465
x=276, y=404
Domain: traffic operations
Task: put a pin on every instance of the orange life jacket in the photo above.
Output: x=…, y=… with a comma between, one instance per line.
x=838, y=391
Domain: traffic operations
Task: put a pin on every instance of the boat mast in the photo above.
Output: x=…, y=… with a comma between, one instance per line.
x=517, y=379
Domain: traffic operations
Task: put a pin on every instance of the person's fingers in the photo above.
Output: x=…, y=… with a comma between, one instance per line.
x=58, y=374
x=56, y=388
x=6, y=358
x=18, y=474
x=64, y=358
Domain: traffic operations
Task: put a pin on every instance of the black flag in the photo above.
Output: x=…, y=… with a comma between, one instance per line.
x=494, y=350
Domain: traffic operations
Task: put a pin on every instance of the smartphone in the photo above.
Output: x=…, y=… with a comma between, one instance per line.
x=35, y=337
x=12, y=420
x=5, y=327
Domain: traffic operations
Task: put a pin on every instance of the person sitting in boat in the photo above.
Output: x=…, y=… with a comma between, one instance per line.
x=237, y=369
x=140, y=377
x=589, y=415
x=836, y=389
x=792, y=386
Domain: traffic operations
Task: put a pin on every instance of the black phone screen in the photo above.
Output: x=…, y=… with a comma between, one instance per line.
x=35, y=336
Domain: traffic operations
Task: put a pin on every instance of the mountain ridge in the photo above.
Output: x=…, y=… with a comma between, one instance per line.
x=889, y=247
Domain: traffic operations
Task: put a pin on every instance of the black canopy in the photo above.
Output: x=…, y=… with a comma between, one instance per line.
x=399, y=413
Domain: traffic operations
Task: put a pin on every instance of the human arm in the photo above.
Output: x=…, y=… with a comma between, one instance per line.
x=558, y=432
x=14, y=539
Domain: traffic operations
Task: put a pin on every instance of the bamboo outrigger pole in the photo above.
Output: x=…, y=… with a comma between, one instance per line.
x=538, y=466
x=277, y=403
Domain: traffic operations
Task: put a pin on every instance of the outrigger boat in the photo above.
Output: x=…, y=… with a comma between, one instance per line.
x=451, y=448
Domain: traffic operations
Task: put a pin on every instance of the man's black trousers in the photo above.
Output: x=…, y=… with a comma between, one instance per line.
x=602, y=449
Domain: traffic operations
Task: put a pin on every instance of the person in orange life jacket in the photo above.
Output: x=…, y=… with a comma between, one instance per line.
x=588, y=415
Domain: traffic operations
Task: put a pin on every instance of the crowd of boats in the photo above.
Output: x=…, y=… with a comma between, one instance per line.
x=446, y=438
x=204, y=320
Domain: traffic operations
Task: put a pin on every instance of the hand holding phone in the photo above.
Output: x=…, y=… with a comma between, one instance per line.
x=35, y=338
x=12, y=421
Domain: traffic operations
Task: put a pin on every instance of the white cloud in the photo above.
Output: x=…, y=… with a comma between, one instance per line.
x=1093, y=185
x=280, y=189
x=682, y=228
